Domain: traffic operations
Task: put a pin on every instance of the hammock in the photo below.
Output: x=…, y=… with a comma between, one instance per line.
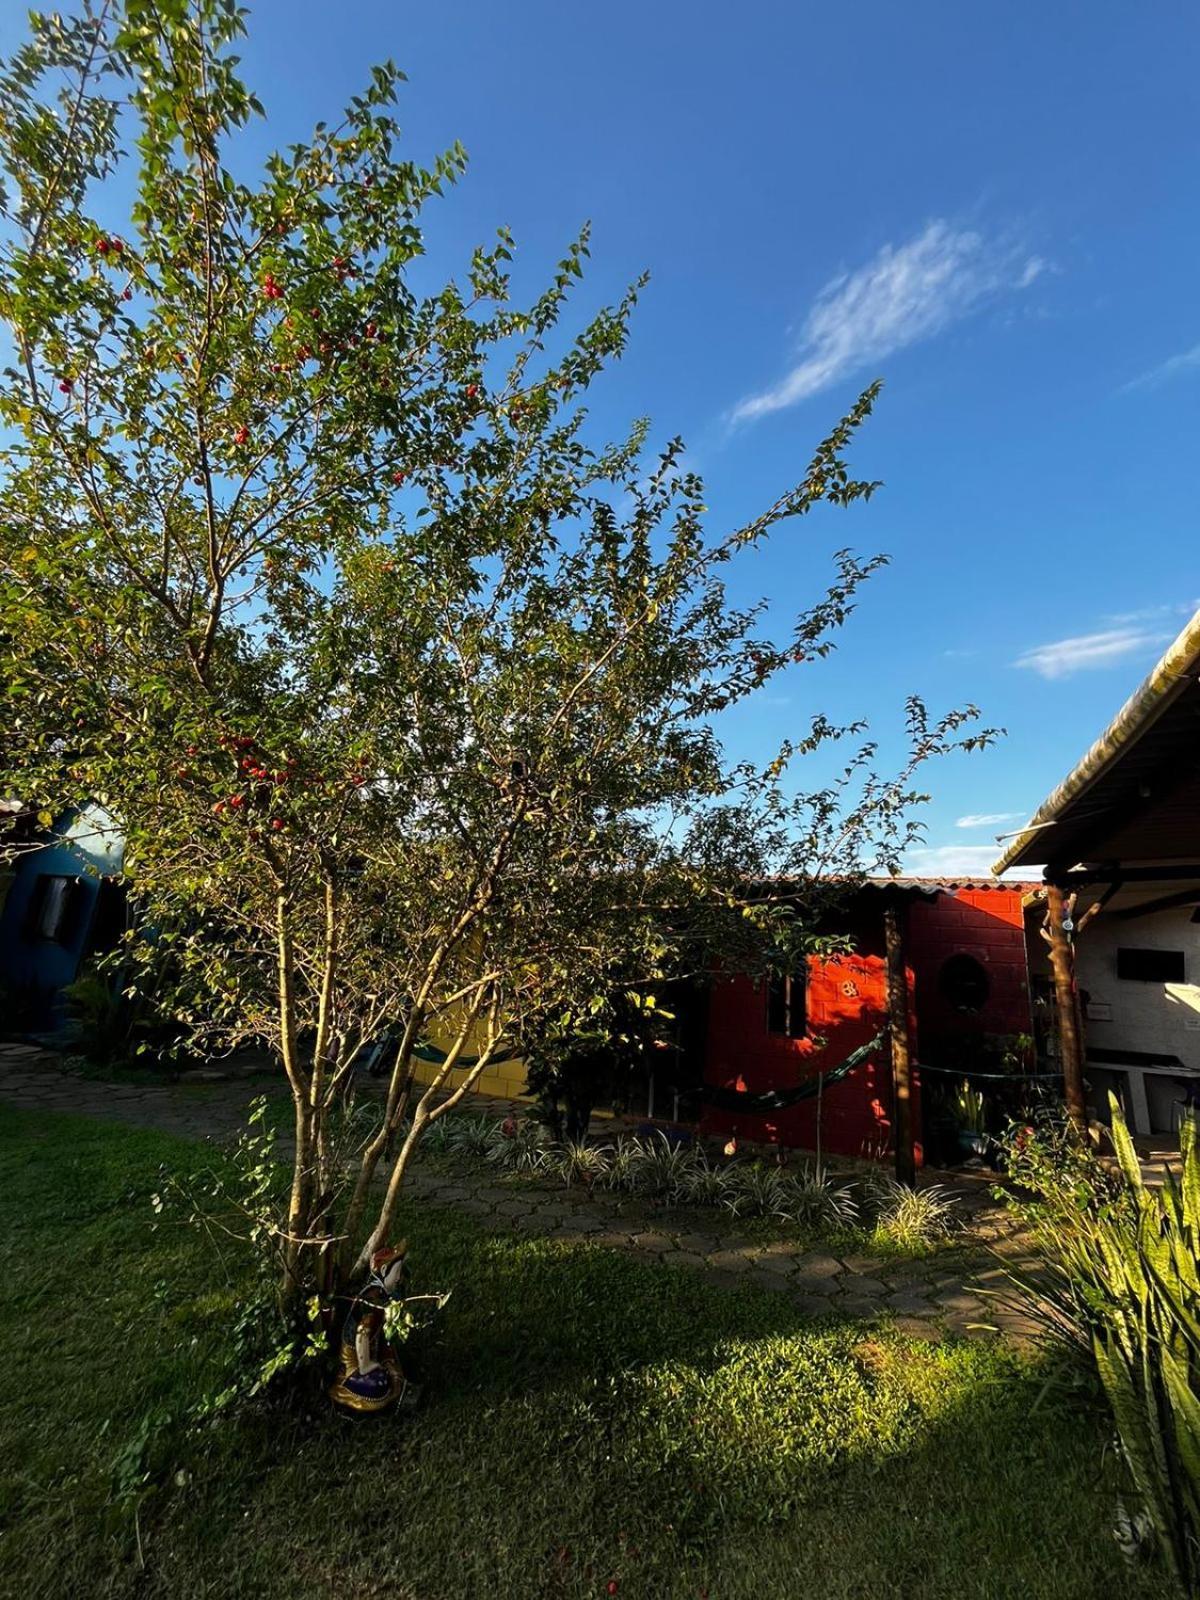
x=747, y=1101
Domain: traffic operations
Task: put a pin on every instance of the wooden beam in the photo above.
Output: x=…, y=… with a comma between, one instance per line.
x=897, y=995
x=1070, y=1041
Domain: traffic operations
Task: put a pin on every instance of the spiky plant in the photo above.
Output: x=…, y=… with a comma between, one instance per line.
x=1120, y=1280
x=659, y=1167
x=518, y=1146
x=706, y=1184
x=814, y=1198
x=586, y=1164
x=756, y=1190
x=470, y=1135
x=913, y=1217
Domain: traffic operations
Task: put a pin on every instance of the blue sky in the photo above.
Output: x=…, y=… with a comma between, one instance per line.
x=991, y=206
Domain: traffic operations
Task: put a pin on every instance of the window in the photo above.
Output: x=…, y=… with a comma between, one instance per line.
x=1151, y=966
x=964, y=983
x=787, y=1005
x=54, y=908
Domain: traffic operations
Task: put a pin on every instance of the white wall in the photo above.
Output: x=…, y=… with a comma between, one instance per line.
x=1124, y=1014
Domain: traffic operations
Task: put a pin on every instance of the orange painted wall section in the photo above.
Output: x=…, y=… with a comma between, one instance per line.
x=847, y=1005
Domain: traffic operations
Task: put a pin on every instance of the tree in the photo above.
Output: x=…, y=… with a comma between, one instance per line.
x=402, y=692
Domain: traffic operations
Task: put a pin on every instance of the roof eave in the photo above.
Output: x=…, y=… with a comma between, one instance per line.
x=1143, y=708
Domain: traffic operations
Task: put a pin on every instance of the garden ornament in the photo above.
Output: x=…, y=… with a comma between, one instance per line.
x=369, y=1377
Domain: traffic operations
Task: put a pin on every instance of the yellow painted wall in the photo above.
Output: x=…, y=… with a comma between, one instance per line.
x=506, y=1079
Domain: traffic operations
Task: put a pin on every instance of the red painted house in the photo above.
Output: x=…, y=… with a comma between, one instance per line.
x=779, y=1056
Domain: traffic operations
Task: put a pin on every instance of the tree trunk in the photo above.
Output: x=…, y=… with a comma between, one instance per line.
x=1070, y=1040
x=897, y=993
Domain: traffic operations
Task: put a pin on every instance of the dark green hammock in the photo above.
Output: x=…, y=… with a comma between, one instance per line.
x=747, y=1101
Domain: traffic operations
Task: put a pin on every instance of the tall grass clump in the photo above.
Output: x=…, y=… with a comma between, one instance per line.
x=1119, y=1281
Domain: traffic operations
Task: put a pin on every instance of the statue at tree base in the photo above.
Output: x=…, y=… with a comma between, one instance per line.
x=369, y=1376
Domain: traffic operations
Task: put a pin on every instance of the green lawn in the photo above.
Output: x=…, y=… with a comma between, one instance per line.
x=586, y=1419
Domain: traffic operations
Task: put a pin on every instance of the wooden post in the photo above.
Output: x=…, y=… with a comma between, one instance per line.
x=1070, y=1041
x=897, y=993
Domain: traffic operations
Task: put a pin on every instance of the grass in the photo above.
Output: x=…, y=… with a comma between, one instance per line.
x=587, y=1419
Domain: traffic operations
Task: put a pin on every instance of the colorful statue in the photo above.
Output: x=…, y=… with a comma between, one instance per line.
x=370, y=1378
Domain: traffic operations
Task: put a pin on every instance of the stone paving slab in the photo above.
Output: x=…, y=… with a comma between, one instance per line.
x=934, y=1294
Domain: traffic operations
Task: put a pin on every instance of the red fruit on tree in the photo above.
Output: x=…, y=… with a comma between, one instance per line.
x=237, y=801
x=397, y=477
x=66, y=386
x=219, y=807
x=242, y=434
x=102, y=247
x=116, y=246
x=128, y=295
x=611, y=1586
x=277, y=824
x=472, y=390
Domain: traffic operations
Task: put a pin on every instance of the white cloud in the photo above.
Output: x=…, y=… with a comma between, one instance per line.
x=909, y=292
x=1174, y=367
x=951, y=860
x=1089, y=651
x=986, y=819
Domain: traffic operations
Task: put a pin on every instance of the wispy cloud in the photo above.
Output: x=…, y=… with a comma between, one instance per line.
x=986, y=819
x=951, y=860
x=1177, y=366
x=908, y=293
x=1089, y=651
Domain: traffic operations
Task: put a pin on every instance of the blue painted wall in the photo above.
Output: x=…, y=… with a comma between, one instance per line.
x=84, y=845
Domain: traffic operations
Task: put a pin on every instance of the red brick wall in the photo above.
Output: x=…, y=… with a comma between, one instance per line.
x=847, y=1005
x=989, y=925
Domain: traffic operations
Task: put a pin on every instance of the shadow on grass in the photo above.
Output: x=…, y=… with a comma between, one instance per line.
x=588, y=1419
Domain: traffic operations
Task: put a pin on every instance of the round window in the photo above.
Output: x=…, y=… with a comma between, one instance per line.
x=964, y=983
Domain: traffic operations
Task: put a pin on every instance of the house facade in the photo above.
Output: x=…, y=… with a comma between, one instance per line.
x=63, y=902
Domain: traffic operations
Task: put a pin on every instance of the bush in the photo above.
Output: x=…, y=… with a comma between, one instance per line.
x=587, y=1164
x=1121, y=1283
x=518, y=1146
x=912, y=1217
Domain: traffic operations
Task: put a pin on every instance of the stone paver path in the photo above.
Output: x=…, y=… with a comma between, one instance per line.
x=943, y=1292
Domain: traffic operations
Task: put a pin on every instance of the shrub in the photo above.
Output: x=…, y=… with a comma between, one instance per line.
x=518, y=1146
x=913, y=1217
x=1120, y=1281
x=587, y=1164
x=756, y=1190
x=816, y=1200
x=659, y=1167
x=704, y=1184
x=469, y=1135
